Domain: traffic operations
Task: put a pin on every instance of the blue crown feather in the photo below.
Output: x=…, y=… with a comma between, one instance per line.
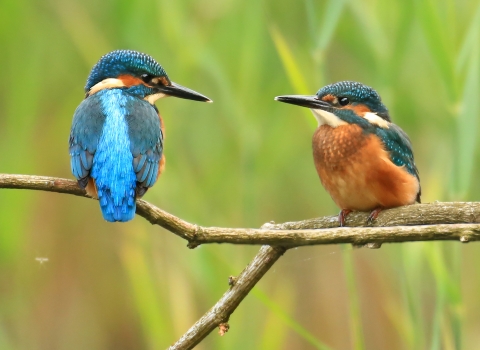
x=356, y=92
x=120, y=62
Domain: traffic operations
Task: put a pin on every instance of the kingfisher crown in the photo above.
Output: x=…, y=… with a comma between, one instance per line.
x=120, y=62
x=356, y=93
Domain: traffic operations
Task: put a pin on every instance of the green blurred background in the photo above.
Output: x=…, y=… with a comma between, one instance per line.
x=239, y=162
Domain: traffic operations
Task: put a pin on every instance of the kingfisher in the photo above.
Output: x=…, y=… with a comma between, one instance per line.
x=117, y=135
x=364, y=161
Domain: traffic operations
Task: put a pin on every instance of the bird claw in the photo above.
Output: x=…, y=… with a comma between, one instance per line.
x=373, y=215
x=342, y=216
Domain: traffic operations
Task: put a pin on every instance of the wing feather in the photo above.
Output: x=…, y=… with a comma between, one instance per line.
x=146, y=143
x=398, y=144
x=87, y=124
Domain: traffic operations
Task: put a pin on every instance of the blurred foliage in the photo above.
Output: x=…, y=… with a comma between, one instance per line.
x=239, y=162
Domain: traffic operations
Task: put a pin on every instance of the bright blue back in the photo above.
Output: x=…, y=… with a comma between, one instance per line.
x=113, y=162
x=116, y=140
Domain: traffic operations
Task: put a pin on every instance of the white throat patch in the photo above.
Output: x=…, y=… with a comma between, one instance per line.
x=154, y=97
x=327, y=118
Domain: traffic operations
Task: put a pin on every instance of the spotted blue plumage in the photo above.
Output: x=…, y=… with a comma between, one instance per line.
x=118, y=62
x=399, y=146
x=116, y=139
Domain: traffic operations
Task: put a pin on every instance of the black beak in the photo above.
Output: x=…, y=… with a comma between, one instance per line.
x=305, y=101
x=178, y=90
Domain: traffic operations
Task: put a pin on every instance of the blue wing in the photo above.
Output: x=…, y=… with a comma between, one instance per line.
x=398, y=144
x=86, y=130
x=146, y=143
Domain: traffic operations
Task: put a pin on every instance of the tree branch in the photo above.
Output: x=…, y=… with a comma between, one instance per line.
x=423, y=222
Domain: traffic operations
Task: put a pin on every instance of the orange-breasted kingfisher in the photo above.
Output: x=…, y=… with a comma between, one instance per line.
x=117, y=135
x=363, y=160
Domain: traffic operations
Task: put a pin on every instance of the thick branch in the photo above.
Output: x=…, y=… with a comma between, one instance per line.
x=437, y=221
x=221, y=311
x=418, y=214
x=353, y=235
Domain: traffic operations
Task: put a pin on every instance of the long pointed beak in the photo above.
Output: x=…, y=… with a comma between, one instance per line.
x=304, y=101
x=178, y=90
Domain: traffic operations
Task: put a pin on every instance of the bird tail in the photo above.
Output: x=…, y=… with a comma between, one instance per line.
x=115, y=181
x=117, y=207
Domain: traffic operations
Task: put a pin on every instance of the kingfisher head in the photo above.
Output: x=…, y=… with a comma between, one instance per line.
x=345, y=102
x=139, y=74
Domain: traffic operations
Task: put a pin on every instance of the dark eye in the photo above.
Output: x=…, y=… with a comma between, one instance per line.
x=147, y=78
x=343, y=101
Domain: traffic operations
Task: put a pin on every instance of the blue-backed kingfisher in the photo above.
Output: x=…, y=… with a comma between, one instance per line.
x=117, y=135
x=363, y=160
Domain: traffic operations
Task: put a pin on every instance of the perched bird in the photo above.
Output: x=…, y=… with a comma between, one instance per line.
x=363, y=160
x=116, y=140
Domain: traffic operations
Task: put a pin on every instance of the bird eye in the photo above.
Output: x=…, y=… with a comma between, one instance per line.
x=343, y=101
x=147, y=78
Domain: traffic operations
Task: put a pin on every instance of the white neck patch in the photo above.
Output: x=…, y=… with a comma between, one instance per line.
x=105, y=84
x=373, y=118
x=327, y=118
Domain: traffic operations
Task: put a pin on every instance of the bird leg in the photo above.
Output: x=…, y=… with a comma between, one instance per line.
x=342, y=216
x=373, y=215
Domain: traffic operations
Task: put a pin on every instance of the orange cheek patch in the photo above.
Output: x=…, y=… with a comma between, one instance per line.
x=359, y=109
x=129, y=80
x=329, y=98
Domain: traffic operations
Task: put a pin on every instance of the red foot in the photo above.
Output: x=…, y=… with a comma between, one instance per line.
x=373, y=215
x=342, y=216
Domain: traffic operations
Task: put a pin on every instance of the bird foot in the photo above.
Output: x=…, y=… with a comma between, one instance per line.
x=373, y=215
x=342, y=216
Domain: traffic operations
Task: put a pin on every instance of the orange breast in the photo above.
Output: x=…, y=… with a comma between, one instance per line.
x=357, y=172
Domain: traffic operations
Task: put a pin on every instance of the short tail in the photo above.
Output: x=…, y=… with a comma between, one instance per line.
x=116, y=207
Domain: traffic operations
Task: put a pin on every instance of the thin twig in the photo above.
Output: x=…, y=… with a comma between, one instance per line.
x=220, y=313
